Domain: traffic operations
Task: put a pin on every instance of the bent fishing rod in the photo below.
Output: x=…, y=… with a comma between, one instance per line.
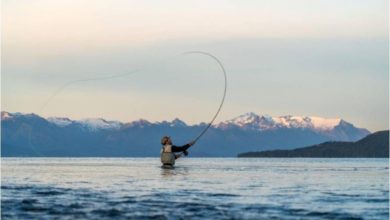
x=224, y=91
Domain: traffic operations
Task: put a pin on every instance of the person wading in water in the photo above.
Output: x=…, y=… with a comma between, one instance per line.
x=168, y=151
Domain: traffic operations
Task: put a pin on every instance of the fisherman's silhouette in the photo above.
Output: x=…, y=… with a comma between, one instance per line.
x=168, y=151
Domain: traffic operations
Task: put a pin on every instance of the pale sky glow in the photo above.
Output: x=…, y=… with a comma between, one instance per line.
x=326, y=58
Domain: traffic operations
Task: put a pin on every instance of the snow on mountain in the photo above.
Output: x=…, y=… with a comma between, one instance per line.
x=5, y=115
x=265, y=122
x=251, y=121
x=61, y=122
x=99, y=123
x=324, y=123
x=316, y=123
x=97, y=137
x=93, y=124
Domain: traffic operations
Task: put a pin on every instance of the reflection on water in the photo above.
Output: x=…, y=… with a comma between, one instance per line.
x=212, y=188
x=176, y=170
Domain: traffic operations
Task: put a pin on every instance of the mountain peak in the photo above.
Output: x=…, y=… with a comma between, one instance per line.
x=60, y=121
x=252, y=120
x=246, y=118
x=324, y=123
x=100, y=123
x=5, y=115
x=140, y=123
x=178, y=122
x=247, y=121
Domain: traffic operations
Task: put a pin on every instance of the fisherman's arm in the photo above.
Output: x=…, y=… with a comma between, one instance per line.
x=182, y=148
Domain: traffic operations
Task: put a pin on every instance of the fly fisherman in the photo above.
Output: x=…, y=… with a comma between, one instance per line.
x=168, y=151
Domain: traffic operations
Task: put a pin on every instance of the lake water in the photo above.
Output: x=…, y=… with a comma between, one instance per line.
x=198, y=188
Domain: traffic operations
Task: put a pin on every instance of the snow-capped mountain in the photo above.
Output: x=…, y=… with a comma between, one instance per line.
x=5, y=115
x=265, y=122
x=99, y=123
x=139, y=123
x=93, y=124
x=32, y=135
x=248, y=121
x=177, y=122
x=8, y=116
x=61, y=122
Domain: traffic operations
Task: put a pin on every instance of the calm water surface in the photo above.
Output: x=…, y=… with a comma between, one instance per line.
x=212, y=188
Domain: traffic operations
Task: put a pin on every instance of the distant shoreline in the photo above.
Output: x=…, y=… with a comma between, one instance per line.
x=375, y=145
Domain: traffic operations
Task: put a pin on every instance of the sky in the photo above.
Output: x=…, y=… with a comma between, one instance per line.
x=326, y=58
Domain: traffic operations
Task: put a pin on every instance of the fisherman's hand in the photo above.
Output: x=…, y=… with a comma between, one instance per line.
x=185, y=153
x=192, y=143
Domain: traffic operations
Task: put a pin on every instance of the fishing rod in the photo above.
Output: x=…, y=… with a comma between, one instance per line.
x=224, y=90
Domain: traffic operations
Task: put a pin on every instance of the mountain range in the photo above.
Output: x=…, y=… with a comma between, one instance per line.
x=33, y=135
